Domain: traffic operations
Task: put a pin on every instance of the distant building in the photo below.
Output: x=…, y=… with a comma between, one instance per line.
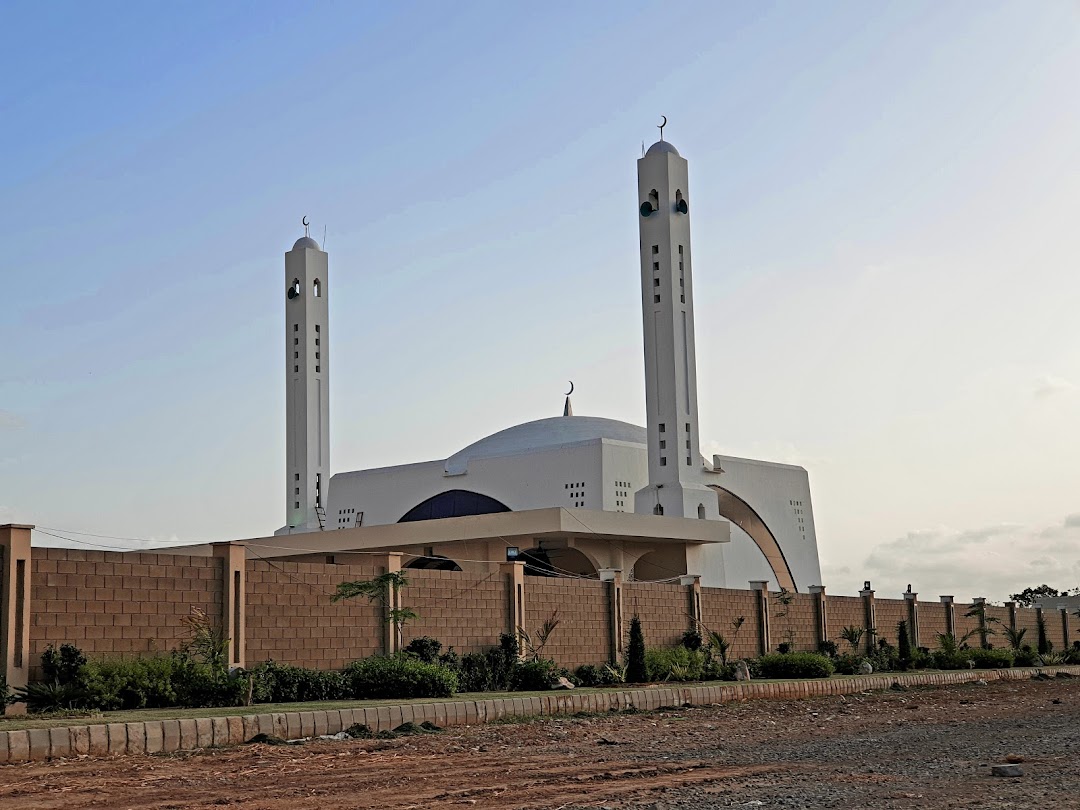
x=758, y=517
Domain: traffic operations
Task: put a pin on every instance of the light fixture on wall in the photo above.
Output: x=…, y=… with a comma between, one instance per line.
x=512, y=553
x=866, y=585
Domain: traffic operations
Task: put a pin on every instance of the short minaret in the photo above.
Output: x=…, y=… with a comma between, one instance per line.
x=307, y=386
x=667, y=304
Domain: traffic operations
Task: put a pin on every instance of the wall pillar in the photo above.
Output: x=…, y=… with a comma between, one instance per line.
x=514, y=574
x=914, y=636
x=390, y=564
x=950, y=615
x=870, y=612
x=15, y=608
x=1012, y=615
x=233, y=558
x=1040, y=621
x=692, y=583
x=978, y=605
x=762, y=588
x=613, y=577
x=821, y=615
x=1066, y=644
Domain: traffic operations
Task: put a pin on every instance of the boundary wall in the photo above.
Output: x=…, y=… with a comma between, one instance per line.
x=137, y=603
x=166, y=736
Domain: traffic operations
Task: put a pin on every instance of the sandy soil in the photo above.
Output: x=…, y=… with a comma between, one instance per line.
x=927, y=747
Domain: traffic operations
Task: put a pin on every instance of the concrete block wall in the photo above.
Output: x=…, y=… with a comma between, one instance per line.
x=794, y=622
x=890, y=612
x=113, y=602
x=931, y=623
x=291, y=619
x=846, y=611
x=720, y=607
x=663, y=609
x=584, y=634
x=466, y=611
x=967, y=624
x=1026, y=619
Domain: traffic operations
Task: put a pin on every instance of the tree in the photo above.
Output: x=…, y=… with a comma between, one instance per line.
x=904, y=645
x=1029, y=596
x=635, y=654
x=384, y=589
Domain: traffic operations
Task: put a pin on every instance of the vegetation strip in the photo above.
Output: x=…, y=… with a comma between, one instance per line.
x=187, y=734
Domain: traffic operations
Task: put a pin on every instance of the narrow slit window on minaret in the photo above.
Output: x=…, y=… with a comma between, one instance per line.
x=663, y=444
x=296, y=369
x=663, y=461
x=655, y=249
x=688, y=461
x=663, y=427
x=316, y=288
x=680, y=250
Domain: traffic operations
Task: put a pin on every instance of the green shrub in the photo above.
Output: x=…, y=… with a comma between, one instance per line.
x=425, y=648
x=636, y=670
x=399, y=677
x=1045, y=645
x=691, y=639
x=678, y=664
x=534, y=676
x=1026, y=657
x=283, y=683
x=795, y=665
x=502, y=660
x=132, y=683
x=847, y=664
x=597, y=675
x=828, y=648
x=474, y=673
x=951, y=659
x=992, y=658
x=51, y=696
x=62, y=665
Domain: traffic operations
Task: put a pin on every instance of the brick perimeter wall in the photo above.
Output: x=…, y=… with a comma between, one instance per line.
x=291, y=619
x=890, y=612
x=662, y=608
x=462, y=610
x=721, y=606
x=108, y=602
x=583, y=635
x=795, y=622
x=931, y=623
x=998, y=639
x=967, y=624
x=846, y=611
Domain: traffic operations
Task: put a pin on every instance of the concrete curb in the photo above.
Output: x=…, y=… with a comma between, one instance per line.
x=166, y=736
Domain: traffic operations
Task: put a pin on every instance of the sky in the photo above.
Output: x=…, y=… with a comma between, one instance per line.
x=885, y=251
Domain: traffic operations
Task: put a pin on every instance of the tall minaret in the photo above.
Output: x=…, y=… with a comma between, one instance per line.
x=307, y=386
x=667, y=305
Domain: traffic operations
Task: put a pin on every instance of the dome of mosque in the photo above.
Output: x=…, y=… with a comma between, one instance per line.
x=662, y=146
x=306, y=243
x=543, y=434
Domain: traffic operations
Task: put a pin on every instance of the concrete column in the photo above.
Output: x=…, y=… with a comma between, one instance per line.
x=1011, y=606
x=233, y=558
x=979, y=605
x=1066, y=644
x=821, y=614
x=514, y=574
x=950, y=615
x=692, y=583
x=390, y=564
x=15, y=608
x=1040, y=621
x=870, y=611
x=613, y=576
x=912, y=600
x=761, y=586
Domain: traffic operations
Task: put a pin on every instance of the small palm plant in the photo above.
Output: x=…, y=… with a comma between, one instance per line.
x=386, y=590
x=852, y=635
x=1015, y=637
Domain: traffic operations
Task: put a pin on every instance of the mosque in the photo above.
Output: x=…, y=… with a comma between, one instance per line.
x=582, y=495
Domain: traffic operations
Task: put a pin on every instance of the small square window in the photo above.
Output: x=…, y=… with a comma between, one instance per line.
x=656, y=299
x=296, y=368
x=297, y=492
x=663, y=427
x=316, y=327
x=687, y=427
x=296, y=327
x=688, y=461
x=297, y=505
x=687, y=444
x=680, y=250
x=663, y=461
x=663, y=444
x=656, y=282
x=655, y=249
x=295, y=355
x=682, y=298
x=317, y=369
x=316, y=341
x=316, y=355
x=296, y=341
x=656, y=267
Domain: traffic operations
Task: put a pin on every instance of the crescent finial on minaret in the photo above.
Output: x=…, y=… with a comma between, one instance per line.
x=661, y=126
x=306, y=224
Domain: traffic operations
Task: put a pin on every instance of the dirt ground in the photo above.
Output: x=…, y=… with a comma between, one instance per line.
x=927, y=747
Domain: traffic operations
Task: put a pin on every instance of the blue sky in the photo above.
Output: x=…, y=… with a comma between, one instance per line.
x=884, y=231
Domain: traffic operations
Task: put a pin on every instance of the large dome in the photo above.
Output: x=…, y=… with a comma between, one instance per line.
x=544, y=434
x=660, y=147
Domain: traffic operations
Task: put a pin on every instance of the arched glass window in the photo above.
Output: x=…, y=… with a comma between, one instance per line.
x=453, y=503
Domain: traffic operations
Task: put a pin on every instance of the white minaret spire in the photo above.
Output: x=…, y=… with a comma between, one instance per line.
x=667, y=304
x=307, y=386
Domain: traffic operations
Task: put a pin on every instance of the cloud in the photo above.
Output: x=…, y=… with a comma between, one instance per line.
x=11, y=421
x=1050, y=386
x=991, y=561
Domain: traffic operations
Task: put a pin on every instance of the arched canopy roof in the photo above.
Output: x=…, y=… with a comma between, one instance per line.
x=544, y=434
x=453, y=503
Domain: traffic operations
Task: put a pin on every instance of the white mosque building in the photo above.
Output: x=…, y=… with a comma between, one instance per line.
x=575, y=493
